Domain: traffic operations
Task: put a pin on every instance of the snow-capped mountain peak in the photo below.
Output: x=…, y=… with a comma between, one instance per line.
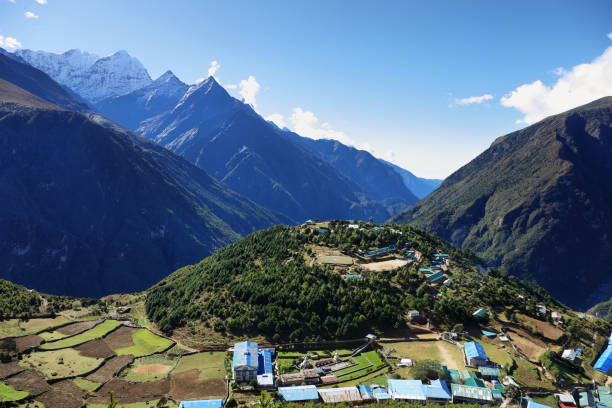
x=90, y=76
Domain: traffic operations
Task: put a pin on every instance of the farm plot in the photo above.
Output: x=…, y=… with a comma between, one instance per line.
x=133, y=392
x=8, y=369
x=146, y=404
x=199, y=375
x=440, y=351
x=145, y=342
x=59, y=399
x=86, y=385
x=68, y=387
x=336, y=260
x=150, y=368
x=69, y=330
x=120, y=338
x=547, y=329
x=96, y=349
x=527, y=346
x=109, y=369
x=384, y=265
x=97, y=332
x=27, y=342
x=62, y=363
x=9, y=394
x=527, y=375
x=15, y=327
x=29, y=381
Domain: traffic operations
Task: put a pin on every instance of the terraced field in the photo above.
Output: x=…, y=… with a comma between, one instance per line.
x=145, y=342
x=97, y=332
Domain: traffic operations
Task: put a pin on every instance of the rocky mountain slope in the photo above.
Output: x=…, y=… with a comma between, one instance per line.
x=156, y=98
x=421, y=187
x=87, y=209
x=538, y=203
x=379, y=180
x=90, y=76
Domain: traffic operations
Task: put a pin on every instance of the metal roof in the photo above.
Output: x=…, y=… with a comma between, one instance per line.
x=246, y=355
x=604, y=362
x=566, y=399
x=453, y=375
x=212, y=403
x=586, y=399
x=437, y=389
x=480, y=312
x=605, y=395
x=436, y=276
x=341, y=394
x=407, y=389
x=475, y=350
x=489, y=371
x=366, y=392
x=300, y=393
x=265, y=362
x=533, y=404
x=476, y=393
x=380, y=393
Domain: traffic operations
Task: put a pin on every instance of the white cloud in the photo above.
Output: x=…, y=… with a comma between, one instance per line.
x=248, y=89
x=577, y=86
x=610, y=36
x=9, y=42
x=278, y=119
x=200, y=80
x=11, y=1
x=214, y=67
x=471, y=100
x=305, y=123
x=41, y=1
x=29, y=14
x=230, y=86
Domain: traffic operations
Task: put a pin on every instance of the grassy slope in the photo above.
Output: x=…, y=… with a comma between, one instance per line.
x=145, y=342
x=95, y=333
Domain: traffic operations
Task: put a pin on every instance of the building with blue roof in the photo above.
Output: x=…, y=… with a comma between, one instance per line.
x=245, y=363
x=265, y=371
x=437, y=392
x=533, y=404
x=299, y=393
x=604, y=362
x=407, y=390
x=475, y=354
x=212, y=403
x=366, y=392
x=380, y=393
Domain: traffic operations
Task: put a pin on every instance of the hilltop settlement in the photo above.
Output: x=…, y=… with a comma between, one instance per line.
x=321, y=313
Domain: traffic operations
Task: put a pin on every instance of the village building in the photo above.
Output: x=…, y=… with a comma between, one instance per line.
x=437, y=392
x=292, y=378
x=329, y=379
x=533, y=404
x=604, y=362
x=245, y=363
x=586, y=399
x=303, y=393
x=407, y=390
x=475, y=354
x=566, y=401
x=265, y=371
x=556, y=316
x=541, y=309
x=366, y=393
x=340, y=394
x=480, y=312
x=569, y=354
x=471, y=395
x=212, y=403
x=605, y=395
x=380, y=393
x=489, y=373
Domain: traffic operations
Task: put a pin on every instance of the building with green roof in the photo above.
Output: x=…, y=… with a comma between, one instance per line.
x=605, y=395
x=471, y=395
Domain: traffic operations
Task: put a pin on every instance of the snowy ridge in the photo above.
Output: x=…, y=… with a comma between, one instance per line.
x=88, y=75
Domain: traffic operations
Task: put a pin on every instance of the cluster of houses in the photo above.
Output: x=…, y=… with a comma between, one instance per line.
x=604, y=362
x=250, y=363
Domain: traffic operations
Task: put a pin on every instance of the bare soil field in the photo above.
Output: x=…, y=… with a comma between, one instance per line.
x=69, y=388
x=29, y=381
x=527, y=346
x=186, y=386
x=28, y=342
x=8, y=369
x=57, y=399
x=120, y=338
x=384, y=265
x=142, y=391
x=109, y=369
x=95, y=348
x=152, y=369
x=76, y=328
x=547, y=329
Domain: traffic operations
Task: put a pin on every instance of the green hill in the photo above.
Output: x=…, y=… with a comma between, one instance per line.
x=603, y=310
x=273, y=284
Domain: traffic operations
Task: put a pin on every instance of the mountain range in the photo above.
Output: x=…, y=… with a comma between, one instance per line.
x=91, y=208
x=537, y=203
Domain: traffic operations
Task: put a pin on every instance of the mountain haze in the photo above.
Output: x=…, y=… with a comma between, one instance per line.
x=88, y=210
x=421, y=187
x=538, y=203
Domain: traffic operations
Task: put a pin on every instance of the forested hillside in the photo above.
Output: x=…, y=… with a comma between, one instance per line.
x=272, y=283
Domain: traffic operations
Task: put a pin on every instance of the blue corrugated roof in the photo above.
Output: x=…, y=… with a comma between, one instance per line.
x=299, y=393
x=604, y=362
x=533, y=404
x=475, y=350
x=437, y=389
x=213, y=403
x=246, y=355
x=407, y=389
x=365, y=391
x=380, y=393
x=265, y=362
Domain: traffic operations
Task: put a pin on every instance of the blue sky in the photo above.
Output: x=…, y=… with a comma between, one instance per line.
x=386, y=76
